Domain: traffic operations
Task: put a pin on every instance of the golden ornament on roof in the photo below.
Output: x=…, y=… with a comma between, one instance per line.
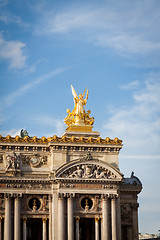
x=78, y=116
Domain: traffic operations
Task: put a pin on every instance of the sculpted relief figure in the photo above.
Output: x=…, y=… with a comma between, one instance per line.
x=12, y=162
x=99, y=174
x=89, y=171
x=77, y=173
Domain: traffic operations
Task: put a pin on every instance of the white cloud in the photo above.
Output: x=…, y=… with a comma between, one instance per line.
x=57, y=125
x=13, y=52
x=7, y=18
x=12, y=132
x=130, y=85
x=139, y=125
x=11, y=98
x=124, y=27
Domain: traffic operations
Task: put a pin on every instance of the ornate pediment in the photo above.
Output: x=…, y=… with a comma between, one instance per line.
x=88, y=168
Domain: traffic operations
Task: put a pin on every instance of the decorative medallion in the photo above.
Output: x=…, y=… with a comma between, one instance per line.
x=35, y=160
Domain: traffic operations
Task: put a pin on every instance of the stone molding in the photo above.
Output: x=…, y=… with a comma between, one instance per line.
x=63, y=139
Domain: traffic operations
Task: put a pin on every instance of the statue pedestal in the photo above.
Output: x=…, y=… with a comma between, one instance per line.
x=81, y=131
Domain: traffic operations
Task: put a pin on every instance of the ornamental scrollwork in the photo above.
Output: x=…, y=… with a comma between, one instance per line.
x=86, y=171
x=35, y=160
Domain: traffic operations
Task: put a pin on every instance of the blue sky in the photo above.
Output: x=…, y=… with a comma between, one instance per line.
x=113, y=48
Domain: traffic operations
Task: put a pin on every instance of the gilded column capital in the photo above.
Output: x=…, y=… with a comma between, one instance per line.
x=44, y=220
x=77, y=219
x=24, y=219
x=97, y=219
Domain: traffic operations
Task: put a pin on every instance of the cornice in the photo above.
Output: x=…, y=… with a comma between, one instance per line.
x=63, y=139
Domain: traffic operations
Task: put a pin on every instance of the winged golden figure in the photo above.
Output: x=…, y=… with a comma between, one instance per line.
x=78, y=116
x=80, y=102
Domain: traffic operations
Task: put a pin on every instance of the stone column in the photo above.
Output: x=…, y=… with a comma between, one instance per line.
x=61, y=216
x=129, y=233
x=53, y=215
x=135, y=221
x=44, y=229
x=17, y=222
x=118, y=219
x=77, y=227
x=105, y=217
x=7, y=220
x=24, y=228
x=70, y=217
x=114, y=218
x=96, y=228
x=0, y=228
x=50, y=217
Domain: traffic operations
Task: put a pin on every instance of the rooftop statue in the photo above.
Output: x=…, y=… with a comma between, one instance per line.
x=24, y=133
x=79, y=116
x=79, y=102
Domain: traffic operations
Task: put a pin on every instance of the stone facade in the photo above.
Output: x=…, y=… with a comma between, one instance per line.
x=67, y=187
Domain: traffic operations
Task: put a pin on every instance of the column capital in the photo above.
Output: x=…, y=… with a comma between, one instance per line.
x=17, y=195
x=77, y=218
x=7, y=195
x=114, y=196
x=97, y=219
x=24, y=219
x=61, y=195
x=44, y=220
x=104, y=196
x=70, y=195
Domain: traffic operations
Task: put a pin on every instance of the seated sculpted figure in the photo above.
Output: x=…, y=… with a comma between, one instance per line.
x=77, y=173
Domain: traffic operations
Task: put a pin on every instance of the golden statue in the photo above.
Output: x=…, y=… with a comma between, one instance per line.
x=78, y=116
x=79, y=102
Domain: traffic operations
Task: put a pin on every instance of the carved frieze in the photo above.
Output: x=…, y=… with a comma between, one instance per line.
x=32, y=185
x=85, y=171
x=34, y=160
